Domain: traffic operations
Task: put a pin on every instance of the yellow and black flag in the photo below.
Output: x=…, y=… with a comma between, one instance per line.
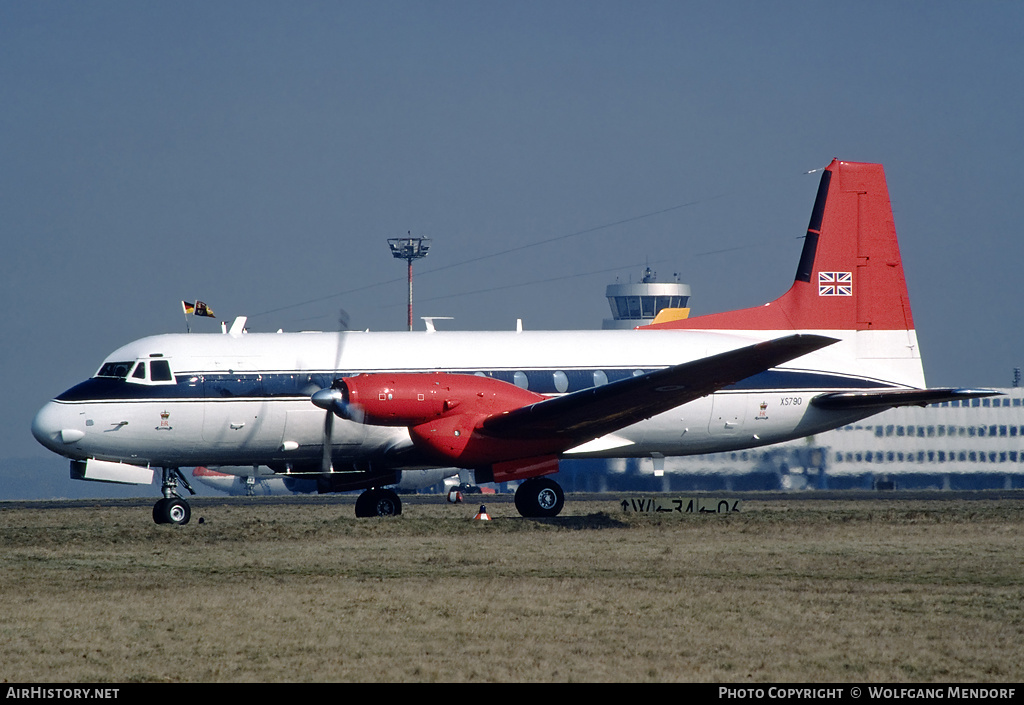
x=197, y=309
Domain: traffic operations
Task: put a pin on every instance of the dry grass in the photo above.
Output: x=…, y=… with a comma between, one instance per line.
x=785, y=591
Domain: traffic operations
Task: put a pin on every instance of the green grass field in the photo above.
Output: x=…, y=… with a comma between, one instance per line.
x=785, y=591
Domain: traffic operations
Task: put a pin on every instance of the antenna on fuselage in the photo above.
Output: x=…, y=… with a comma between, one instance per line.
x=428, y=321
x=238, y=326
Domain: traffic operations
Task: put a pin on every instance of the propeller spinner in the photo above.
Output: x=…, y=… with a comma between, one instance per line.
x=335, y=399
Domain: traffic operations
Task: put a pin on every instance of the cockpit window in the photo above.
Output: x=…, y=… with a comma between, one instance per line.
x=160, y=371
x=116, y=369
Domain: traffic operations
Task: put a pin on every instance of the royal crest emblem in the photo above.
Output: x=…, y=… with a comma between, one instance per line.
x=165, y=421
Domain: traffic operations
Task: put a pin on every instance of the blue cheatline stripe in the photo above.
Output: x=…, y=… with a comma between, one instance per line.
x=271, y=385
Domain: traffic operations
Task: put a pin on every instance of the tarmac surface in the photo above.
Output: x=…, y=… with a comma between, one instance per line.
x=199, y=501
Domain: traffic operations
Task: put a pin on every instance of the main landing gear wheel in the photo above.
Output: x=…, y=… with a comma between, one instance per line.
x=174, y=510
x=378, y=503
x=539, y=497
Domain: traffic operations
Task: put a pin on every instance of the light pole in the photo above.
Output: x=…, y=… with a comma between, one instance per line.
x=409, y=248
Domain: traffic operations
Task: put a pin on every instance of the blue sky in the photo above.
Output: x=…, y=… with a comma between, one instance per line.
x=257, y=156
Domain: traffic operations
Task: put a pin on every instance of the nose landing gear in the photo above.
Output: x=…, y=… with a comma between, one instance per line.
x=172, y=509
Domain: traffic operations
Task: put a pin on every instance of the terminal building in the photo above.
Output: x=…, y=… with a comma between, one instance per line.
x=970, y=444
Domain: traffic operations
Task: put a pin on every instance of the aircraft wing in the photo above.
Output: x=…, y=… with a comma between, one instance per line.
x=591, y=413
x=898, y=397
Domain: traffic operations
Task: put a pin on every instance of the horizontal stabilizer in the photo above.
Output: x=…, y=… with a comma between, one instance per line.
x=598, y=445
x=891, y=398
x=594, y=412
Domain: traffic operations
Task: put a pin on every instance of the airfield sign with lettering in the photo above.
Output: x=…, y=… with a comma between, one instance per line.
x=678, y=506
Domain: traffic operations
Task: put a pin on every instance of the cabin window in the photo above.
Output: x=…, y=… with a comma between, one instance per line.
x=561, y=381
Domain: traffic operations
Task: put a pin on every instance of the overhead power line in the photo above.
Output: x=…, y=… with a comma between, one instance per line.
x=472, y=260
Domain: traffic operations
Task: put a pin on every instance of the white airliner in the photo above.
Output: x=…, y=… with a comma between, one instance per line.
x=353, y=409
x=253, y=482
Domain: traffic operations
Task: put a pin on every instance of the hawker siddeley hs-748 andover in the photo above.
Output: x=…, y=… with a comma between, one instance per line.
x=355, y=409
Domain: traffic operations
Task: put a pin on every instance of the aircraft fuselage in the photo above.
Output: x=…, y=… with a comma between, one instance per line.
x=245, y=399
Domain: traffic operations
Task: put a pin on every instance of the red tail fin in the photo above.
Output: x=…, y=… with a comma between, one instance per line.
x=850, y=275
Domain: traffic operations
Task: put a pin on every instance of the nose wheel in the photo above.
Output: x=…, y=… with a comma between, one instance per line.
x=172, y=509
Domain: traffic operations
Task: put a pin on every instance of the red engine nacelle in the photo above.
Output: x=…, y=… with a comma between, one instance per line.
x=444, y=411
x=412, y=398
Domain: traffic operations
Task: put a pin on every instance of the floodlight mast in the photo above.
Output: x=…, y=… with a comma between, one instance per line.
x=409, y=248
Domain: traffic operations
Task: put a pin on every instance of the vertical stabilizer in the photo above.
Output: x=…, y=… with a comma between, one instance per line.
x=850, y=275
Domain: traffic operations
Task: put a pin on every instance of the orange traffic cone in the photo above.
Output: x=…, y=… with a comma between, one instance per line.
x=482, y=514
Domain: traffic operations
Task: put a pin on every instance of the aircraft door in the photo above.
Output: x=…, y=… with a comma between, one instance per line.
x=234, y=408
x=728, y=414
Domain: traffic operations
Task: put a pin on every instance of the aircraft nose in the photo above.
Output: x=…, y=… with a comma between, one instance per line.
x=51, y=428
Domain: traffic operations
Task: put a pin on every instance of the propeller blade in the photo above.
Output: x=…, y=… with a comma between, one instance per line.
x=332, y=399
x=326, y=465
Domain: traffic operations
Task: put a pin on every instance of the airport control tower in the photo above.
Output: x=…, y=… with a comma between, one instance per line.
x=637, y=304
